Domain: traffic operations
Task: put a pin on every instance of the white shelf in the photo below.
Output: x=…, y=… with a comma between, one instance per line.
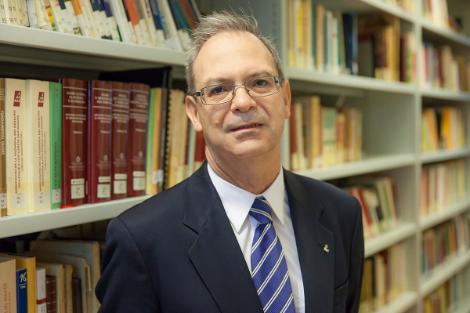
x=443, y=272
x=444, y=155
x=34, y=222
x=389, y=238
x=400, y=304
x=445, y=214
x=368, y=165
x=445, y=33
x=20, y=44
x=444, y=94
x=344, y=80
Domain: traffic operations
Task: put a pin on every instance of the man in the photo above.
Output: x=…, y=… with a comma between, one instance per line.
x=241, y=234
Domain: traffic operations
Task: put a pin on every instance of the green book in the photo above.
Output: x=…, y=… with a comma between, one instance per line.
x=150, y=142
x=55, y=130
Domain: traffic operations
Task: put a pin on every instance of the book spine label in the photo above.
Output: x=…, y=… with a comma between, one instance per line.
x=74, y=141
x=99, y=141
x=120, y=124
x=3, y=177
x=55, y=135
x=139, y=104
x=15, y=132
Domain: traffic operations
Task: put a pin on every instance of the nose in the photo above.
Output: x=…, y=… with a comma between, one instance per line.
x=242, y=101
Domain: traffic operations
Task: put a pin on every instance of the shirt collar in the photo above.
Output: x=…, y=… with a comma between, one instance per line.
x=237, y=202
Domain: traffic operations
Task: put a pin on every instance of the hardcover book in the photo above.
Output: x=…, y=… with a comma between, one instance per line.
x=74, y=141
x=99, y=141
x=120, y=127
x=139, y=104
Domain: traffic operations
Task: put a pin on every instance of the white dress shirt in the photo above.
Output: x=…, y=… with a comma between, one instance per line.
x=237, y=204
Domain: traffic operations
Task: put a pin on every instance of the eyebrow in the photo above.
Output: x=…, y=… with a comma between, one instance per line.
x=218, y=80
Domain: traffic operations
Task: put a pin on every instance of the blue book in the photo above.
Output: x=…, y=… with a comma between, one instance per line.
x=21, y=291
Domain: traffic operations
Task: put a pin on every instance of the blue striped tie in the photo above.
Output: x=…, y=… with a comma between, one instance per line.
x=268, y=265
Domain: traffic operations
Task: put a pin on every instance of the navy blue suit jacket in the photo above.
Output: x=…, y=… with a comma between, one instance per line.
x=176, y=252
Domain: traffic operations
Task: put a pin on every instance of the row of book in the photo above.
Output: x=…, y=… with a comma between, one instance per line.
x=437, y=12
x=384, y=278
x=447, y=297
x=159, y=23
x=56, y=276
x=442, y=128
x=322, y=136
x=445, y=241
x=442, y=68
x=378, y=199
x=185, y=152
x=442, y=185
x=347, y=42
x=78, y=141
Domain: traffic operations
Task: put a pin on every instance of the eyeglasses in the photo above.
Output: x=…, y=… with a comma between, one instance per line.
x=256, y=87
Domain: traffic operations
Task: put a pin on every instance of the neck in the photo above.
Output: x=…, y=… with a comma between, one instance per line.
x=254, y=175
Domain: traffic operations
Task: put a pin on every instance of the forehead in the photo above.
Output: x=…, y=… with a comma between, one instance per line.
x=232, y=55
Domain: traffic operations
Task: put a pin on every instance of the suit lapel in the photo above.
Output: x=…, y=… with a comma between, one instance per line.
x=215, y=253
x=315, y=245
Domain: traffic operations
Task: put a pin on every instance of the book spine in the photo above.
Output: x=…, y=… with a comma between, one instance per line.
x=74, y=127
x=3, y=176
x=139, y=104
x=120, y=124
x=51, y=294
x=21, y=291
x=15, y=130
x=99, y=141
x=150, y=187
x=39, y=159
x=55, y=138
x=41, y=300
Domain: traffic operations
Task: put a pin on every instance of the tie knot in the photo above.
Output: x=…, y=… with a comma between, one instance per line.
x=261, y=210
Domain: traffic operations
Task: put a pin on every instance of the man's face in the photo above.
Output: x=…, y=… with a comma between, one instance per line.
x=244, y=127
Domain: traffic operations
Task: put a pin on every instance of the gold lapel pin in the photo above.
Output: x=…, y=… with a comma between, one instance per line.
x=326, y=248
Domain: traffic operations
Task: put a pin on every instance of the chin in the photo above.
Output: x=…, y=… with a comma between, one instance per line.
x=252, y=149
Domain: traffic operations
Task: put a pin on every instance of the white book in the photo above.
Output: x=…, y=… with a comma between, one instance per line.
x=16, y=126
x=173, y=40
x=41, y=304
x=39, y=183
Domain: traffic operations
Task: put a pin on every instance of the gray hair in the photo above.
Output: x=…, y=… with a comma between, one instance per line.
x=215, y=23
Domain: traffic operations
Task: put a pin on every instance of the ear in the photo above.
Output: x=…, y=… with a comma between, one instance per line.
x=191, y=112
x=286, y=95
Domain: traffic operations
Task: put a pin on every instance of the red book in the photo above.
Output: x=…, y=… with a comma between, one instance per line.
x=138, y=120
x=99, y=141
x=120, y=103
x=74, y=140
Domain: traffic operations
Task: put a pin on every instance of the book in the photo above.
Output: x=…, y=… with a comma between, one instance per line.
x=28, y=263
x=8, y=285
x=120, y=131
x=3, y=170
x=99, y=141
x=38, y=140
x=55, y=274
x=21, y=290
x=51, y=296
x=41, y=298
x=55, y=140
x=139, y=105
x=15, y=134
x=74, y=141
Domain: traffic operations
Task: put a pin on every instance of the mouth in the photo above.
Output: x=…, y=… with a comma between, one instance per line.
x=246, y=126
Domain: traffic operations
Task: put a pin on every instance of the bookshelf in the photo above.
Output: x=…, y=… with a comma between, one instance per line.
x=392, y=121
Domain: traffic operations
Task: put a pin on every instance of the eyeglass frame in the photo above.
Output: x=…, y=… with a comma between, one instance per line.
x=277, y=81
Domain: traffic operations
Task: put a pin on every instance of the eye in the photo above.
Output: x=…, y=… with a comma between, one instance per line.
x=260, y=83
x=216, y=90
